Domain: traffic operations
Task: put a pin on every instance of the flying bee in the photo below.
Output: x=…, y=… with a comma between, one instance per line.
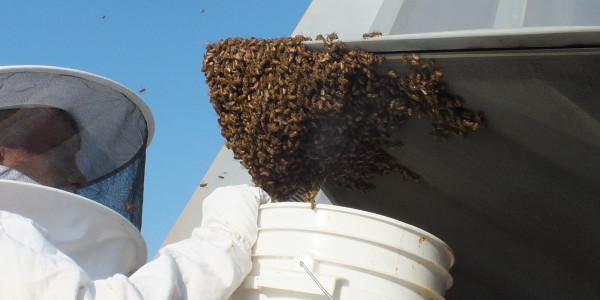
x=142, y=90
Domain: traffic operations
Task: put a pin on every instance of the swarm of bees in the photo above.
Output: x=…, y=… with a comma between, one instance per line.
x=298, y=117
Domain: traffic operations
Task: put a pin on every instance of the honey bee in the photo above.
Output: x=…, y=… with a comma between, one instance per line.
x=415, y=59
x=142, y=90
x=332, y=36
x=371, y=35
x=203, y=184
x=310, y=197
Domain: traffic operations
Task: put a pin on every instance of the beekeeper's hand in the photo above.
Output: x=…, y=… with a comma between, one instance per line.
x=235, y=208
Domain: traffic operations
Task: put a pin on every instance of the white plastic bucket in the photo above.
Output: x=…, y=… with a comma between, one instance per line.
x=353, y=254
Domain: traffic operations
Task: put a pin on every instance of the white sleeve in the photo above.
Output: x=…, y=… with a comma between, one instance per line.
x=209, y=265
x=214, y=261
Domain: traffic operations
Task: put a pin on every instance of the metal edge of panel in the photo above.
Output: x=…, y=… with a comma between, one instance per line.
x=521, y=38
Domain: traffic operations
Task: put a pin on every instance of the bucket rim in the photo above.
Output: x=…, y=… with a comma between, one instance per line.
x=336, y=208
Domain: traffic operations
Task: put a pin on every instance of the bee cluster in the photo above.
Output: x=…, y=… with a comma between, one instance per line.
x=296, y=117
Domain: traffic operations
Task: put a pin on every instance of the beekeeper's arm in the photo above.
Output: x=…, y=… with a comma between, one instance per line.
x=209, y=265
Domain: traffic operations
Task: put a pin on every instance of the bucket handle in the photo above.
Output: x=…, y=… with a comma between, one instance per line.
x=293, y=280
x=296, y=281
x=316, y=281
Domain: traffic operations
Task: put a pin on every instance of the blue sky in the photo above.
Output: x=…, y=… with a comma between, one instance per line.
x=156, y=45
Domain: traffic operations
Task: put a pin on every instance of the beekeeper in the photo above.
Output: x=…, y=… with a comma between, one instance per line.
x=72, y=153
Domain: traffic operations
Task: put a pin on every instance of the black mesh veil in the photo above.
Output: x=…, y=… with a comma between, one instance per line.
x=123, y=191
x=113, y=126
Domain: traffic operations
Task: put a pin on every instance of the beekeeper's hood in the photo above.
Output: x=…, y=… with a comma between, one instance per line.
x=114, y=128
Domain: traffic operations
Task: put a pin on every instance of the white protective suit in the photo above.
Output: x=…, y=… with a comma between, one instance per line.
x=208, y=265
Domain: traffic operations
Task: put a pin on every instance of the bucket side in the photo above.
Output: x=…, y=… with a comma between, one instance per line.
x=352, y=253
x=356, y=254
x=358, y=224
x=268, y=280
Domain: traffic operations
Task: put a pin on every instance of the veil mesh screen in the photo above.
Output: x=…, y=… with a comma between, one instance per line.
x=111, y=132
